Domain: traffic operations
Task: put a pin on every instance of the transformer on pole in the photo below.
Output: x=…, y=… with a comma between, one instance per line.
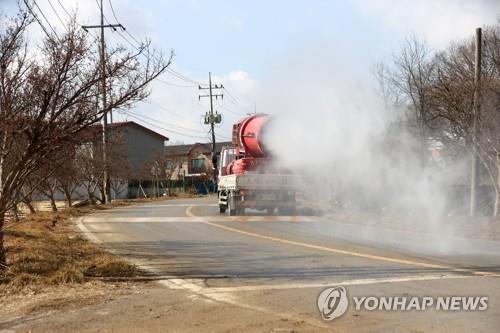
x=212, y=118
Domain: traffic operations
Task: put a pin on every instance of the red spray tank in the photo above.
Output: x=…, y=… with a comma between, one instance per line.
x=250, y=153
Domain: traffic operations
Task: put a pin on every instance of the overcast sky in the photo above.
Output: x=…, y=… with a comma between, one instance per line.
x=242, y=42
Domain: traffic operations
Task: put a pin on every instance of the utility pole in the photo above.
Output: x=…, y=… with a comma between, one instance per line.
x=106, y=191
x=211, y=118
x=475, y=119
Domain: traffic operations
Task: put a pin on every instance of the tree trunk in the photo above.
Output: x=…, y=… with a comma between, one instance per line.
x=67, y=194
x=30, y=206
x=3, y=261
x=102, y=197
x=90, y=196
x=53, y=203
x=497, y=204
x=15, y=212
x=423, y=140
x=496, y=207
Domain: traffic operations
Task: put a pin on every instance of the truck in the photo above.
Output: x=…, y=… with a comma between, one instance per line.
x=249, y=177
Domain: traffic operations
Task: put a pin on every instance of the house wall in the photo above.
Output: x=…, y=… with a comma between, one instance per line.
x=182, y=164
x=80, y=193
x=142, y=149
x=198, y=153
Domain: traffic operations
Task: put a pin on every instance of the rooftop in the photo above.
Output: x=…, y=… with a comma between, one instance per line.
x=179, y=150
x=125, y=124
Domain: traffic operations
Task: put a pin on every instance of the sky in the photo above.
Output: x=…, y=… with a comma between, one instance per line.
x=243, y=42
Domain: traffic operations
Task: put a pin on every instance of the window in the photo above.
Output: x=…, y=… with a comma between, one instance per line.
x=197, y=165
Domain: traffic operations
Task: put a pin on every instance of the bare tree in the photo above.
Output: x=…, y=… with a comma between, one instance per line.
x=407, y=82
x=440, y=88
x=90, y=167
x=48, y=187
x=453, y=95
x=68, y=181
x=171, y=168
x=489, y=141
x=47, y=99
x=119, y=168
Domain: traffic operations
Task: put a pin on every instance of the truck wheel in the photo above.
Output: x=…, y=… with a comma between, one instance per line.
x=231, y=206
x=222, y=209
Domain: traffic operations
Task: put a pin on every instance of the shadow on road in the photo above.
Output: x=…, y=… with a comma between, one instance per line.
x=230, y=259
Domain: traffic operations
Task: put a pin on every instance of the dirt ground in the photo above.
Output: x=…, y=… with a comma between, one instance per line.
x=140, y=307
x=27, y=303
x=52, y=268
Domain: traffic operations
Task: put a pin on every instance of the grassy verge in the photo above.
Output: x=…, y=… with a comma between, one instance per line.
x=46, y=249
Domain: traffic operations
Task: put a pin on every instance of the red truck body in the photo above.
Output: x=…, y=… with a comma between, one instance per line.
x=247, y=177
x=249, y=150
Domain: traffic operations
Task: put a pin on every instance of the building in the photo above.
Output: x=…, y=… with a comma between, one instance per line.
x=135, y=156
x=140, y=145
x=191, y=163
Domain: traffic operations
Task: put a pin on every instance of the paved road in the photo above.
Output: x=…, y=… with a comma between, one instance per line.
x=279, y=264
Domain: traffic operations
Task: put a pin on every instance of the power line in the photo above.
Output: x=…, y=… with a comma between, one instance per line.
x=43, y=15
x=113, y=10
x=124, y=30
x=160, y=127
x=169, y=70
x=177, y=85
x=168, y=110
x=239, y=113
x=133, y=37
x=174, y=73
x=57, y=15
x=185, y=78
x=225, y=137
x=37, y=19
x=243, y=109
x=155, y=124
x=96, y=39
x=165, y=123
x=62, y=6
x=236, y=102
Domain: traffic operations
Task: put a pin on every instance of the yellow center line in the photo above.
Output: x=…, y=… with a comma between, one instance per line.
x=339, y=251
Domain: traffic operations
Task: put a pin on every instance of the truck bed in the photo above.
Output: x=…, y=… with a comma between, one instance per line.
x=256, y=181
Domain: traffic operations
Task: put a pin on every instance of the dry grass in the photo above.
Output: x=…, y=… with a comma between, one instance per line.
x=45, y=249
